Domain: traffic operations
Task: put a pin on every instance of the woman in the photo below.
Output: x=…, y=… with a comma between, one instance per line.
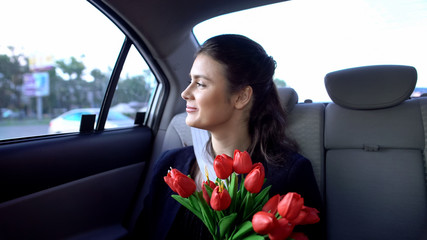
x=233, y=96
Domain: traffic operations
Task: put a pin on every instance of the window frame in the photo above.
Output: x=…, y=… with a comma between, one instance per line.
x=161, y=91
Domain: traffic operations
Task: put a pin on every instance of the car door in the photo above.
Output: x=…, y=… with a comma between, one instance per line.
x=80, y=184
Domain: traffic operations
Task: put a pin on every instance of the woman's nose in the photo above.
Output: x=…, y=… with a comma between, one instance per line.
x=186, y=93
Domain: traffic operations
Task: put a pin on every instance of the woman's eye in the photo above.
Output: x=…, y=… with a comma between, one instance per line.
x=198, y=84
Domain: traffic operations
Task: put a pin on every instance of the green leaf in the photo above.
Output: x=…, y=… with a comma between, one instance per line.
x=256, y=207
x=242, y=193
x=248, y=204
x=233, y=192
x=226, y=223
x=186, y=203
x=209, y=190
x=243, y=229
x=208, y=217
x=193, y=199
x=233, y=184
x=207, y=220
x=219, y=215
x=262, y=198
x=242, y=189
x=261, y=195
x=254, y=237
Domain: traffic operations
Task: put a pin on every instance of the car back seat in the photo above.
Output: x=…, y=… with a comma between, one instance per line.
x=305, y=126
x=375, y=140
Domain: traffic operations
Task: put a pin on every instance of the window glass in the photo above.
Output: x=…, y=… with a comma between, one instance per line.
x=74, y=117
x=309, y=38
x=134, y=91
x=56, y=58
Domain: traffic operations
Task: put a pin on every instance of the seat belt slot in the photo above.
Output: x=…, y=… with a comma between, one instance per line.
x=371, y=147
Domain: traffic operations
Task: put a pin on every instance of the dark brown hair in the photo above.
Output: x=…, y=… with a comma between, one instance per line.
x=247, y=64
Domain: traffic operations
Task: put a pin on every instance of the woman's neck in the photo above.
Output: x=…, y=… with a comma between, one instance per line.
x=226, y=141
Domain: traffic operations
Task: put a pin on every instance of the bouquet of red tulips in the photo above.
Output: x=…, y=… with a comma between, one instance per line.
x=231, y=210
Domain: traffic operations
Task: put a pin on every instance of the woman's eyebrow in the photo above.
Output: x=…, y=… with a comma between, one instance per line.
x=196, y=76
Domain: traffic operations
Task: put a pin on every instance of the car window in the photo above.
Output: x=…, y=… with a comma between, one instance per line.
x=309, y=38
x=134, y=91
x=56, y=57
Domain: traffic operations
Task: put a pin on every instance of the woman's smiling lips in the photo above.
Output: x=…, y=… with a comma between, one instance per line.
x=190, y=109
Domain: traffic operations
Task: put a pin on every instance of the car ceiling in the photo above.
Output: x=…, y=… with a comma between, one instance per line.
x=164, y=24
x=165, y=27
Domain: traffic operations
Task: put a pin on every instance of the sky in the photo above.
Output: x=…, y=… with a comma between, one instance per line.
x=307, y=38
x=76, y=29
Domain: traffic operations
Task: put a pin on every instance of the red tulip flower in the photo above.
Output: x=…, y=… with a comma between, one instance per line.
x=282, y=230
x=180, y=183
x=255, y=178
x=205, y=192
x=223, y=166
x=263, y=222
x=242, y=162
x=307, y=215
x=271, y=204
x=220, y=199
x=298, y=236
x=290, y=206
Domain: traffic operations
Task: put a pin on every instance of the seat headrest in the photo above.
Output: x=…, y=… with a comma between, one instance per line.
x=288, y=98
x=371, y=87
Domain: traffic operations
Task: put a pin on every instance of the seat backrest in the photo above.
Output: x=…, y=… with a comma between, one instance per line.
x=305, y=126
x=375, y=143
x=178, y=133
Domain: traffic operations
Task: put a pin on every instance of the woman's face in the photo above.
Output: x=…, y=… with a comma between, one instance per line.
x=209, y=105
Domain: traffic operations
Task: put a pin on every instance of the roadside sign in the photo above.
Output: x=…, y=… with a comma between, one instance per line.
x=36, y=84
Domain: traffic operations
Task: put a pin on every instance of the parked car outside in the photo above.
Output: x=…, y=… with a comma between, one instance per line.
x=70, y=121
x=6, y=113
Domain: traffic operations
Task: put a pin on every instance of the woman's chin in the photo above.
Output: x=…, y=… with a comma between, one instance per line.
x=190, y=122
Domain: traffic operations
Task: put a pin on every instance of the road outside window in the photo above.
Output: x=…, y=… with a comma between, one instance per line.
x=56, y=58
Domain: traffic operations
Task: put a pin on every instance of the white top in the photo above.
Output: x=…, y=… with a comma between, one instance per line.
x=204, y=160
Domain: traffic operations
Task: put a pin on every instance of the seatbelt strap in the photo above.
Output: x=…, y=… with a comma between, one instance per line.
x=204, y=159
x=423, y=107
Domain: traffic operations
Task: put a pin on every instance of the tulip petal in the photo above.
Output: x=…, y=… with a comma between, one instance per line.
x=282, y=230
x=180, y=183
x=220, y=200
x=169, y=181
x=290, y=206
x=223, y=166
x=298, y=236
x=206, y=194
x=310, y=217
x=263, y=222
x=271, y=204
x=242, y=162
x=255, y=178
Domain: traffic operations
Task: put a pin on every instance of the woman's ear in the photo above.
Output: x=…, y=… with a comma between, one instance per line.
x=244, y=97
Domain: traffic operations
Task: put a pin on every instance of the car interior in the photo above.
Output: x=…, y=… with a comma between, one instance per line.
x=367, y=146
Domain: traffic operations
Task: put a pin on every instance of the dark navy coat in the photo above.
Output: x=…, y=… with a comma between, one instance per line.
x=163, y=215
